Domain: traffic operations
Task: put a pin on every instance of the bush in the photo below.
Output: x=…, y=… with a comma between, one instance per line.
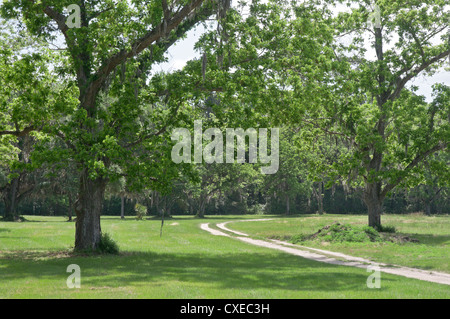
x=342, y=233
x=107, y=245
x=299, y=238
x=372, y=233
x=257, y=209
x=141, y=211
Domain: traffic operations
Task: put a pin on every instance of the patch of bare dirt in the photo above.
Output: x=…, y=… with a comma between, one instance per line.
x=399, y=239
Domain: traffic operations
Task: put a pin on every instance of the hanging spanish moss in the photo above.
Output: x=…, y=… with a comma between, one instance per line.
x=204, y=64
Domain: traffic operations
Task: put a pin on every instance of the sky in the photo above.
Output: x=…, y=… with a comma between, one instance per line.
x=181, y=52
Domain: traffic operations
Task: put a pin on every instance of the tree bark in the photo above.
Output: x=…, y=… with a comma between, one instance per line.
x=19, y=186
x=88, y=209
x=69, y=212
x=122, y=207
x=288, y=207
x=318, y=194
x=428, y=208
x=201, y=209
x=374, y=202
x=11, y=201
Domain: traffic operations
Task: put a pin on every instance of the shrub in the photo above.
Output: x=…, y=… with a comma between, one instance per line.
x=107, y=245
x=257, y=209
x=141, y=211
x=299, y=238
x=372, y=233
x=342, y=233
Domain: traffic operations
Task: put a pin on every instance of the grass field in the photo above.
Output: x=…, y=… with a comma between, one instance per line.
x=187, y=262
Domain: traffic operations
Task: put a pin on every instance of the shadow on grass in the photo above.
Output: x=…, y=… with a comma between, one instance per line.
x=26, y=220
x=248, y=217
x=205, y=218
x=180, y=217
x=222, y=271
x=432, y=240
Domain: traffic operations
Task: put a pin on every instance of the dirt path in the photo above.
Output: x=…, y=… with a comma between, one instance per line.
x=329, y=257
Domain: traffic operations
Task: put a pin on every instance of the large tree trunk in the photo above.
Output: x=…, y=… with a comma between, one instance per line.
x=88, y=209
x=201, y=208
x=375, y=210
x=319, y=196
x=122, y=207
x=374, y=203
x=428, y=208
x=19, y=186
x=11, y=200
x=69, y=211
x=288, y=207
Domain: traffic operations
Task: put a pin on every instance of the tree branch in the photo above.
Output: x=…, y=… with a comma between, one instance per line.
x=60, y=20
x=141, y=44
x=19, y=133
x=401, y=82
x=419, y=158
x=157, y=133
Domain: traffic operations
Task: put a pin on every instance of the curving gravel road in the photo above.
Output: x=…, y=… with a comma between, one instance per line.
x=325, y=256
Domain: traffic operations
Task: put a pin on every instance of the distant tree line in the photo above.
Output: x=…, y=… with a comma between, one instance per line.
x=336, y=201
x=217, y=189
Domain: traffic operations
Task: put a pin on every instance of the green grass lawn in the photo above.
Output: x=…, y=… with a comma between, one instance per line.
x=185, y=262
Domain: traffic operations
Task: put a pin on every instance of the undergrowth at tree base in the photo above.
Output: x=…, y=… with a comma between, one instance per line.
x=106, y=246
